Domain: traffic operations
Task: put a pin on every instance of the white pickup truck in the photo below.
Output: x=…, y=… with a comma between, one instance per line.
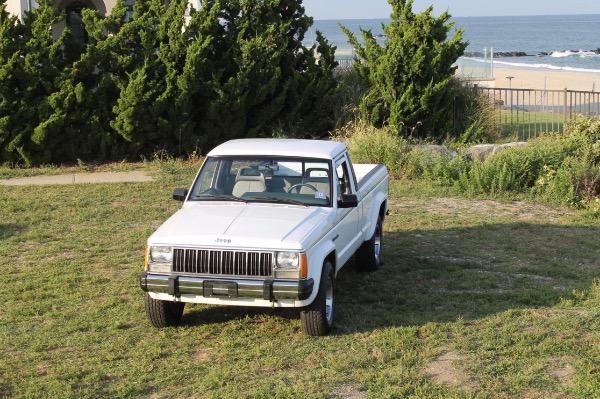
x=268, y=223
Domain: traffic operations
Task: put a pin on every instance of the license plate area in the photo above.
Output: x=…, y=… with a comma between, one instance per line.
x=220, y=289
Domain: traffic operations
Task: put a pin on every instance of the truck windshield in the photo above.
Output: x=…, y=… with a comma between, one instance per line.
x=293, y=181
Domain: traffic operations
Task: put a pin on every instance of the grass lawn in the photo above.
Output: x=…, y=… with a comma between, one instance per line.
x=476, y=299
x=522, y=125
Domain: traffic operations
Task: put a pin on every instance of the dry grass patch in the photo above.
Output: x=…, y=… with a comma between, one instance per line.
x=445, y=369
x=347, y=391
x=457, y=206
x=562, y=369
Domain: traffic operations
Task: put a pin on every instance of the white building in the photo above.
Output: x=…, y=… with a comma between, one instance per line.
x=73, y=9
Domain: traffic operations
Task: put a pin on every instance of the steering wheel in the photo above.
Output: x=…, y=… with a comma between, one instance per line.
x=298, y=185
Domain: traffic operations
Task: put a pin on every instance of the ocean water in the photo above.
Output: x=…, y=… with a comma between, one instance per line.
x=553, y=42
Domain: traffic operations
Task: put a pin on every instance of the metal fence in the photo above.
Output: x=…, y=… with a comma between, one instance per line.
x=344, y=63
x=526, y=113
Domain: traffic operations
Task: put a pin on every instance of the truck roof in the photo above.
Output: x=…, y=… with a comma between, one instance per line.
x=280, y=147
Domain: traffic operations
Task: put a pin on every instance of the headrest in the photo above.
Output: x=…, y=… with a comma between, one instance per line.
x=316, y=173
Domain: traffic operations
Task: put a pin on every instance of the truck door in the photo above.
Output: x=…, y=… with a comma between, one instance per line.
x=347, y=230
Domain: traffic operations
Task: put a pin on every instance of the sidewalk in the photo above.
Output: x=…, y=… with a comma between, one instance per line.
x=73, y=178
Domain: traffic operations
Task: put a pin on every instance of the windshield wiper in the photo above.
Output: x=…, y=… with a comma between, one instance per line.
x=278, y=200
x=219, y=197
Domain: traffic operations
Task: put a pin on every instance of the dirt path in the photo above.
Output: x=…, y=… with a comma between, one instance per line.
x=72, y=178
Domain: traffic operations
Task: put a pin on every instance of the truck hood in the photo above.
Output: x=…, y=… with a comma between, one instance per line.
x=252, y=225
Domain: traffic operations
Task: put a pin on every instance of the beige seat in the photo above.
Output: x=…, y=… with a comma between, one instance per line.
x=248, y=180
x=316, y=177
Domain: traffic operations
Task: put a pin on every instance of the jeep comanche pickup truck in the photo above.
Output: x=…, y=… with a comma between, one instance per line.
x=268, y=223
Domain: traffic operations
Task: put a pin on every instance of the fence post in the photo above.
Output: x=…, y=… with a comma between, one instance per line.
x=564, y=110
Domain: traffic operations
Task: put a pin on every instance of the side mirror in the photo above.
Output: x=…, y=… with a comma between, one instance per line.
x=179, y=194
x=348, y=201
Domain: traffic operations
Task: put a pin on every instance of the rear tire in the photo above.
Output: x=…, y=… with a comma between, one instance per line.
x=368, y=256
x=317, y=318
x=163, y=313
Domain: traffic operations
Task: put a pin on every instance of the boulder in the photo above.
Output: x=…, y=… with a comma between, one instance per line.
x=436, y=150
x=481, y=152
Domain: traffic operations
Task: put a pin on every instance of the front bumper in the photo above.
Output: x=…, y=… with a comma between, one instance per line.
x=267, y=289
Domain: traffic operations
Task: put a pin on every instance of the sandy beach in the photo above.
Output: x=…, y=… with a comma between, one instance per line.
x=523, y=78
x=545, y=78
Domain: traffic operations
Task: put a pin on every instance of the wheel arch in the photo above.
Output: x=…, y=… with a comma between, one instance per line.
x=378, y=209
x=318, y=259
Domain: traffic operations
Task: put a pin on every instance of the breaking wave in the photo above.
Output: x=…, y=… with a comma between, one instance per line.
x=524, y=65
x=569, y=53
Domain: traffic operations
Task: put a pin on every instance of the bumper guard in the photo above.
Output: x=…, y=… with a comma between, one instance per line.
x=267, y=289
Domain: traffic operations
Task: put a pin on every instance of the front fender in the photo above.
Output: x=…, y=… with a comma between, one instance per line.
x=316, y=259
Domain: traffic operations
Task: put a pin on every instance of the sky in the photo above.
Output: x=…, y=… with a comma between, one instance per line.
x=365, y=9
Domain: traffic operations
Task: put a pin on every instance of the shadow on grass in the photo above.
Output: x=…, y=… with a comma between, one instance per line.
x=214, y=314
x=9, y=230
x=444, y=275
x=467, y=273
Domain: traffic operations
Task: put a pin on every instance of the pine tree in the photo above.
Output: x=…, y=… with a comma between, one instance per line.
x=145, y=113
x=411, y=76
x=10, y=31
x=35, y=65
x=159, y=80
x=260, y=76
x=112, y=55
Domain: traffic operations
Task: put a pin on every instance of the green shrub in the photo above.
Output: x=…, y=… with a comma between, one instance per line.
x=367, y=144
x=577, y=183
x=474, y=116
x=486, y=178
x=349, y=92
x=421, y=164
x=557, y=169
x=529, y=162
x=588, y=129
x=572, y=176
x=410, y=76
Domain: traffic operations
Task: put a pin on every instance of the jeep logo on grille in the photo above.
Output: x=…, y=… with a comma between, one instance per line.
x=223, y=241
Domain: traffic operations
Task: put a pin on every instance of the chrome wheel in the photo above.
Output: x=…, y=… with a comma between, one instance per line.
x=329, y=301
x=377, y=244
x=317, y=318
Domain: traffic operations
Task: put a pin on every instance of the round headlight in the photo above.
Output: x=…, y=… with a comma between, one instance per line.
x=288, y=259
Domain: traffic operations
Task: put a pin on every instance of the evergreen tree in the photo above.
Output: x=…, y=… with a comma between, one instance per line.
x=260, y=76
x=410, y=78
x=145, y=113
x=103, y=70
x=34, y=66
x=10, y=31
x=158, y=79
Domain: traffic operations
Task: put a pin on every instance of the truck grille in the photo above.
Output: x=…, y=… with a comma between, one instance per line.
x=230, y=263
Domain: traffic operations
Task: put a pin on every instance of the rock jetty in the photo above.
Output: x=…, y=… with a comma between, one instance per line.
x=506, y=54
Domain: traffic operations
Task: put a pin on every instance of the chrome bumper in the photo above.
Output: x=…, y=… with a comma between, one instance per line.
x=267, y=289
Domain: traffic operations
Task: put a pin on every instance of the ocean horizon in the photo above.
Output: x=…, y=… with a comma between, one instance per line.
x=550, y=42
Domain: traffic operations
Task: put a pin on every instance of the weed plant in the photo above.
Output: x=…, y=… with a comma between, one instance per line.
x=367, y=144
x=474, y=116
x=558, y=169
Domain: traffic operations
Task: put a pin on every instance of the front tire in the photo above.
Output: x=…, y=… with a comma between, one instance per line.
x=317, y=318
x=368, y=256
x=163, y=313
